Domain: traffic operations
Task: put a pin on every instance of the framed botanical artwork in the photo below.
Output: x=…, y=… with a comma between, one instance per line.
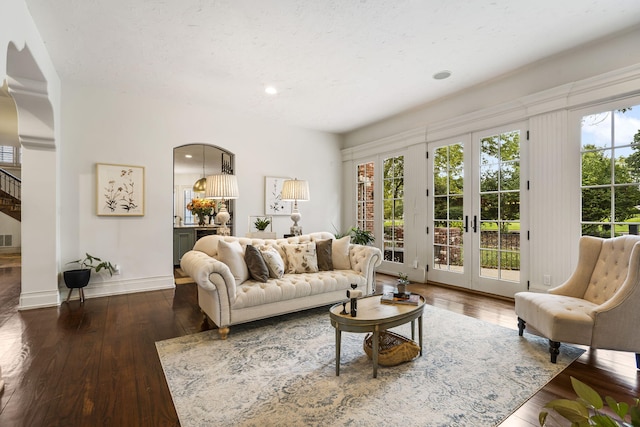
x=119, y=190
x=273, y=203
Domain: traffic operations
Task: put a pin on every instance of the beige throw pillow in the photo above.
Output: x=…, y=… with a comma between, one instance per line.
x=301, y=257
x=233, y=255
x=340, y=253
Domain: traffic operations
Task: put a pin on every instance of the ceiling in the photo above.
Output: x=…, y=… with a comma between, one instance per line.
x=338, y=64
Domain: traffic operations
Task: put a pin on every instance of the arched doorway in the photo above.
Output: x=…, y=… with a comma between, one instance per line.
x=28, y=87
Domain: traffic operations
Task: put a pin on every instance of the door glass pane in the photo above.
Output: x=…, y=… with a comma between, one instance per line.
x=448, y=209
x=500, y=206
x=365, y=201
x=393, y=215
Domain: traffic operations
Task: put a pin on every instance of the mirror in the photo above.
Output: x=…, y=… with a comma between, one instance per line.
x=192, y=162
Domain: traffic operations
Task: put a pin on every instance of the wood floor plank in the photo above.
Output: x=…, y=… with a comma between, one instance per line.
x=96, y=363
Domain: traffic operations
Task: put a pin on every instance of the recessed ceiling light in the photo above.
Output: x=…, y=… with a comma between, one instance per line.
x=441, y=75
x=270, y=90
x=188, y=156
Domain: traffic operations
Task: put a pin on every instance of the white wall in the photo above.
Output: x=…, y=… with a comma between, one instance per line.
x=35, y=86
x=107, y=127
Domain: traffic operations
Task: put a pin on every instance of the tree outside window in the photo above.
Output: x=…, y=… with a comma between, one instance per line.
x=610, y=172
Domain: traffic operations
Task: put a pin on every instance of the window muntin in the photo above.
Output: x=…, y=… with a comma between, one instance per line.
x=610, y=172
x=365, y=197
x=448, y=187
x=393, y=208
x=500, y=206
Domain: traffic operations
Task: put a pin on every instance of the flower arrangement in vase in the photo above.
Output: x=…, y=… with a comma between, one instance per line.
x=202, y=208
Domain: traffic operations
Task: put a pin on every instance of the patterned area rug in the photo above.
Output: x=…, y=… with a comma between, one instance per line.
x=281, y=372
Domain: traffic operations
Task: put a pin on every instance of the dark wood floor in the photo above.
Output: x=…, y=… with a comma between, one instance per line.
x=96, y=364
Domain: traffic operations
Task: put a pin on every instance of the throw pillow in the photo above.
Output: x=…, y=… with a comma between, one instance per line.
x=274, y=261
x=233, y=255
x=340, y=253
x=323, y=251
x=301, y=258
x=255, y=263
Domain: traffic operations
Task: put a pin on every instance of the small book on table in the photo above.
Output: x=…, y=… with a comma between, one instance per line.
x=395, y=298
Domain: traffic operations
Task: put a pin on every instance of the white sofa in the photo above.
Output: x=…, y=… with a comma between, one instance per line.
x=228, y=295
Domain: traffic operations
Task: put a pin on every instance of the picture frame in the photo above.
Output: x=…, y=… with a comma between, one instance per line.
x=273, y=203
x=119, y=190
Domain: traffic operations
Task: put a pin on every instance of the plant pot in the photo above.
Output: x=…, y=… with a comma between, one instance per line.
x=77, y=278
x=402, y=288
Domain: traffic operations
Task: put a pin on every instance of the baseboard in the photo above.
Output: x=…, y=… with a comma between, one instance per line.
x=42, y=299
x=94, y=290
x=119, y=287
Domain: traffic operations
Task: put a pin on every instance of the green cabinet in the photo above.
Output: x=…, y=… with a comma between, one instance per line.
x=183, y=241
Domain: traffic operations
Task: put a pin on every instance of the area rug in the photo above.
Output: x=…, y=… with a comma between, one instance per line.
x=281, y=372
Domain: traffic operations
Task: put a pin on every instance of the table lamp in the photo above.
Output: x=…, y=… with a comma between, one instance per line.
x=294, y=190
x=223, y=187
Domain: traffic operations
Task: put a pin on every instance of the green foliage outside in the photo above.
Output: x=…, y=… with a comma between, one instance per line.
x=599, y=166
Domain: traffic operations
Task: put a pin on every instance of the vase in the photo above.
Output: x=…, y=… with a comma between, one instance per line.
x=201, y=220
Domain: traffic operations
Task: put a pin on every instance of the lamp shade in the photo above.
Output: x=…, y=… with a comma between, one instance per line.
x=294, y=189
x=222, y=187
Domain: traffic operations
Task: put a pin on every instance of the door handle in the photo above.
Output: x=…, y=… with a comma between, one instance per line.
x=466, y=223
x=475, y=223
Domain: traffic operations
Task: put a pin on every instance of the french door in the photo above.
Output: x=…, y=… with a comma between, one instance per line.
x=477, y=237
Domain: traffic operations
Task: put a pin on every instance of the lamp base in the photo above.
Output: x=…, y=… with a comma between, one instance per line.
x=222, y=217
x=295, y=229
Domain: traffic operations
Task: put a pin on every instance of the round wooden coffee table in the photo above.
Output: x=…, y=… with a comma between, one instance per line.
x=375, y=317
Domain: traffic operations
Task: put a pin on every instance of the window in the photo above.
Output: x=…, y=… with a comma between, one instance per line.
x=393, y=202
x=364, y=197
x=610, y=172
x=190, y=218
x=448, y=187
x=500, y=206
x=10, y=155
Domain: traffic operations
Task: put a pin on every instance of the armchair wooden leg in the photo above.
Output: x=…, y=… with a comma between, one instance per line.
x=521, y=325
x=554, y=350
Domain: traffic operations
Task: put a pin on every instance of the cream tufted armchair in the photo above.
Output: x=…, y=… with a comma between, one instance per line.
x=598, y=306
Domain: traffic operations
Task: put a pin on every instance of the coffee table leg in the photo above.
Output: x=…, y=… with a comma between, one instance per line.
x=420, y=333
x=338, y=339
x=376, y=340
x=413, y=330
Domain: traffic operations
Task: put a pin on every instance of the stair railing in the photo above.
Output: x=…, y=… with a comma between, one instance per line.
x=10, y=184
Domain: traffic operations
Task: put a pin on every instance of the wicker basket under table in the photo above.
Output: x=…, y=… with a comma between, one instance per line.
x=393, y=349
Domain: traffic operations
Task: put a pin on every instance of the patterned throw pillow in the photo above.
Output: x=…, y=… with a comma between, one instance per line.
x=274, y=261
x=256, y=265
x=323, y=252
x=301, y=257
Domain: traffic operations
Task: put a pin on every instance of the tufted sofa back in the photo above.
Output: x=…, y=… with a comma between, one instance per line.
x=209, y=244
x=611, y=268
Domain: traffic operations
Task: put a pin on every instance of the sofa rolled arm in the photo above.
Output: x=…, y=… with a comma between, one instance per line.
x=201, y=266
x=364, y=260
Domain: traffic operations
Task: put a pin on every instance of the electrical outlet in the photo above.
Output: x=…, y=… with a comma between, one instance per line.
x=547, y=279
x=117, y=269
x=415, y=263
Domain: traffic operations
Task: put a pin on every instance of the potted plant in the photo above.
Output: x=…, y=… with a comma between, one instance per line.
x=358, y=236
x=403, y=281
x=261, y=224
x=587, y=409
x=79, y=278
